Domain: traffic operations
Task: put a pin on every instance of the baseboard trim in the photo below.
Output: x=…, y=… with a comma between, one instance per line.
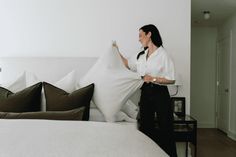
x=232, y=135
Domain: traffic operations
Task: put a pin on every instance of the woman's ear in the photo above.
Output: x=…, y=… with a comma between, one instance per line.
x=149, y=34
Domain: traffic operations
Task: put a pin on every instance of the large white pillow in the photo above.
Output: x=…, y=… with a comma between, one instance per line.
x=128, y=113
x=114, y=83
x=130, y=109
x=96, y=115
x=67, y=83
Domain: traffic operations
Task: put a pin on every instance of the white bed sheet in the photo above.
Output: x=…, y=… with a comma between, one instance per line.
x=47, y=138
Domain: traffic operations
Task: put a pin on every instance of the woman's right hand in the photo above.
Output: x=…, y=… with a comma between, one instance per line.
x=147, y=78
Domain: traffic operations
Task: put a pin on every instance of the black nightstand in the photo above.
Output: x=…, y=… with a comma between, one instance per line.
x=185, y=130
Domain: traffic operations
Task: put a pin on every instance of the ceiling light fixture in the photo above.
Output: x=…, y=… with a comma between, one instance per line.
x=206, y=15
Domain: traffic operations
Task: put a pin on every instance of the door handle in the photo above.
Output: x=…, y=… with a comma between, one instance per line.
x=227, y=90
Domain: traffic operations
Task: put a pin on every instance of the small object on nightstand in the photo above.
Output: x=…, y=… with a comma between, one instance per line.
x=178, y=105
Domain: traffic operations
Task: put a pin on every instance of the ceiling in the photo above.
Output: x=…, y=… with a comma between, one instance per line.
x=219, y=11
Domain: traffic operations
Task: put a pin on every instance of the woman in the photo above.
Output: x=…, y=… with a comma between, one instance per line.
x=157, y=70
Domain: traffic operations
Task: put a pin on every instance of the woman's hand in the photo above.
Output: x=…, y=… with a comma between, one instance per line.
x=125, y=61
x=159, y=80
x=148, y=78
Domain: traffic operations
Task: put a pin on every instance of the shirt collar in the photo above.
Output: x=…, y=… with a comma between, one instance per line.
x=156, y=52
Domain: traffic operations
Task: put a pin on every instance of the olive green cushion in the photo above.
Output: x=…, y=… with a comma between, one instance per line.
x=59, y=100
x=75, y=114
x=27, y=100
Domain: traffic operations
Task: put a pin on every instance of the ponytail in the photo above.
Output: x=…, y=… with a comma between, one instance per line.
x=141, y=53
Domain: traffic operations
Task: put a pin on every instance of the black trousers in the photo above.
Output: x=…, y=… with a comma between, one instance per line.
x=155, y=102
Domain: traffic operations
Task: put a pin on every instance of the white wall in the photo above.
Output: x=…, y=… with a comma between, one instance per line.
x=85, y=28
x=229, y=25
x=203, y=75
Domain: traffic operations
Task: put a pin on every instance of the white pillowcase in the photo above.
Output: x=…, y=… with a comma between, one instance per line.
x=130, y=109
x=114, y=83
x=17, y=84
x=92, y=105
x=128, y=113
x=96, y=115
x=67, y=83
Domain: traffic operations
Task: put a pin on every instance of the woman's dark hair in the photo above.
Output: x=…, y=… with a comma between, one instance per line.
x=155, y=36
x=141, y=53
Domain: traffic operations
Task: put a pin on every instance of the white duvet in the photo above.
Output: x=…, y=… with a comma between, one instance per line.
x=45, y=138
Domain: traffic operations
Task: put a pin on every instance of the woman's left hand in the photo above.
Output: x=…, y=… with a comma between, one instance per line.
x=115, y=45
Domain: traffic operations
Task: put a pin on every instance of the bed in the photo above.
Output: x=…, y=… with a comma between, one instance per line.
x=26, y=138
x=43, y=138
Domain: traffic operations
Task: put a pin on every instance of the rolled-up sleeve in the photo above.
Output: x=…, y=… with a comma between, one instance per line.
x=132, y=63
x=169, y=72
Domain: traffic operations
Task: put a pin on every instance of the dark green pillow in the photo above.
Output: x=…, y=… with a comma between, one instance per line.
x=75, y=114
x=27, y=100
x=59, y=100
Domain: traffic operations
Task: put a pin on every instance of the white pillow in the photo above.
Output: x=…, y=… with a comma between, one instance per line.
x=130, y=109
x=67, y=83
x=17, y=84
x=121, y=116
x=114, y=83
x=96, y=115
x=92, y=105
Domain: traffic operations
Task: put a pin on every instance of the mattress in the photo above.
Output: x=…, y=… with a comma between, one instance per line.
x=51, y=138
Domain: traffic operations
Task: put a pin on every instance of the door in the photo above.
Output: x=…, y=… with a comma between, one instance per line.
x=222, y=98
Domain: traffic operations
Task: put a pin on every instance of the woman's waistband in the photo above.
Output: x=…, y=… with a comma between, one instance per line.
x=152, y=85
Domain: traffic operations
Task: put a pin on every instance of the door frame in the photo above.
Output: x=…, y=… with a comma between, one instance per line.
x=226, y=35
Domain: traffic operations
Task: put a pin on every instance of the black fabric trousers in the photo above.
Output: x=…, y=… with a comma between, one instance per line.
x=155, y=102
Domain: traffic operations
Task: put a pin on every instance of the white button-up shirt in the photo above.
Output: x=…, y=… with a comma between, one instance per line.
x=158, y=64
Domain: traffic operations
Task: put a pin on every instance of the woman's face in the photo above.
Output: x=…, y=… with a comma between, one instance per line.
x=144, y=39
